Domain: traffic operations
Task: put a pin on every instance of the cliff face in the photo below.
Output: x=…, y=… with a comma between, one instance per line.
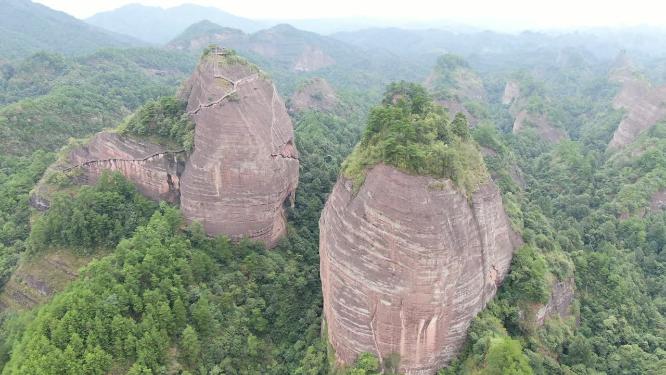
x=455, y=88
x=316, y=94
x=244, y=166
x=644, y=105
x=559, y=303
x=155, y=170
x=407, y=263
x=511, y=92
x=525, y=119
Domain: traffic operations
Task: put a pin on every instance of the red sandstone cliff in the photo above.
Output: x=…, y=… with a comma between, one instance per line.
x=244, y=166
x=154, y=169
x=407, y=263
x=525, y=119
x=644, y=105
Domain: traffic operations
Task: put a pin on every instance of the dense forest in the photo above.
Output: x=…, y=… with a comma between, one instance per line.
x=159, y=296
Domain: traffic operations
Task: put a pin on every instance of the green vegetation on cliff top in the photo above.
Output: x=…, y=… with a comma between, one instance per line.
x=412, y=133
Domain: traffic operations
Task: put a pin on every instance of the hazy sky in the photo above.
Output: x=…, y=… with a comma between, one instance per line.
x=525, y=13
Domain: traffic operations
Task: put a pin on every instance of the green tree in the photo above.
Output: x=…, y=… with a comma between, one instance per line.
x=190, y=346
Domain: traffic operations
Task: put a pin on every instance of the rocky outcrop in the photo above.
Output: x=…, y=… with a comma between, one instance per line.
x=527, y=119
x=312, y=58
x=644, y=104
x=559, y=303
x=244, y=166
x=315, y=94
x=406, y=263
x=38, y=278
x=540, y=123
x=455, y=86
x=154, y=169
x=511, y=92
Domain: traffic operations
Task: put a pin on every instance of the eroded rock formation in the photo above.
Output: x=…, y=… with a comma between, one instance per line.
x=511, y=92
x=559, y=303
x=244, y=166
x=406, y=263
x=644, y=104
x=455, y=88
x=540, y=123
x=526, y=119
x=154, y=169
x=315, y=94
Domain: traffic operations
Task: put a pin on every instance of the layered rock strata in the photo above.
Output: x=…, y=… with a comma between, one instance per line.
x=526, y=119
x=559, y=303
x=406, y=263
x=644, y=104
x=244, y=166
x=154, y=169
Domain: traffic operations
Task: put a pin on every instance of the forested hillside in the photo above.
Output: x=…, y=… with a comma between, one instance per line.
x=27, y=27
x=103, y=280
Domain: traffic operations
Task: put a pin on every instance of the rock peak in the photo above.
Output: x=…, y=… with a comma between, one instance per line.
x=244, y=164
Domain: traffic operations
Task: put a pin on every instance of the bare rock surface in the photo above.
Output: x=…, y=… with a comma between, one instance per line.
x=462, y=87
x=526, y=119
x=559, y=304
x=154, y=169
x=37, y=280
x=644, y=104
x=245, y=165
x=316, y=94
x=312, y=58
x=511, y=92
x=406, y=263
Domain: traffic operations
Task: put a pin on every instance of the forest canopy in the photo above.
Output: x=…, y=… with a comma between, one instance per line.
x=414, y=134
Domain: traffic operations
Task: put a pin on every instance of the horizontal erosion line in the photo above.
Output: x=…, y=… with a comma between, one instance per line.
x=90, y=162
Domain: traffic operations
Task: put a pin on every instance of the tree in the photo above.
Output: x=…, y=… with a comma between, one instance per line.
x=505, y=357
x=460, y=126
x=190, y=346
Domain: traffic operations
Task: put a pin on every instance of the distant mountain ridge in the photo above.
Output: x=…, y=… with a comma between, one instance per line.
x=27, y=27
x=160, y=25
x=287, y=52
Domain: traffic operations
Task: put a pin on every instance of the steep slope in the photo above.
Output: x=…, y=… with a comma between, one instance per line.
x=80, y=96
x=457, y=87
x=27, y=27
x=243, y=167
x=315, y=94
x=154, y=169
x=159, y=25
x=528, y=111
x=408, y=259
x=643, y=103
